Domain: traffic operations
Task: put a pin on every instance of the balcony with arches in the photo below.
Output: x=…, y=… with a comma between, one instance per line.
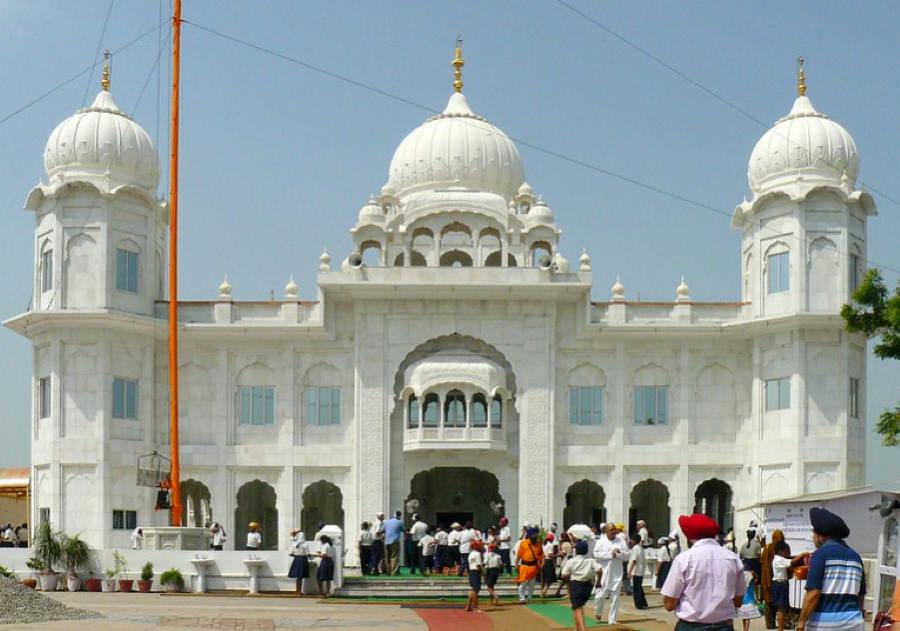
x=454, y=401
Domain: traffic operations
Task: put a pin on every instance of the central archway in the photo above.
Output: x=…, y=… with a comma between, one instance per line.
x=585, y=501
x=650, y=503
x=446, y=494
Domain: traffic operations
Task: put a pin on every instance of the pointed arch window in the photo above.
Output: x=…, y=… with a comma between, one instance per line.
x=479, y=411
x=497, y=412
x=430, y=410
x=455, y=409
x=412, y=411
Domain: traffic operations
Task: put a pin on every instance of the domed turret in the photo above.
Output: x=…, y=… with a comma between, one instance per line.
x=806, y=145
x=457, y=149
x=371, y=213
x=101, y=142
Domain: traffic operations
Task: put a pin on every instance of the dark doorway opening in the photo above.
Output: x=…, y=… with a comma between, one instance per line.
x=445, y=519
x=448, y=494
x=584, y=504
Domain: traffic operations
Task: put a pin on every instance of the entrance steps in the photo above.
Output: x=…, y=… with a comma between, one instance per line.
x=418, y=587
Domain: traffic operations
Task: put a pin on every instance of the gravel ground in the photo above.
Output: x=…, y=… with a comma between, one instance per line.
x=20, y=604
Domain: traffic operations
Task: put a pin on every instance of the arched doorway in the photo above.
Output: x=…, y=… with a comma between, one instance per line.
x=713, y=498
x=195, y=498
x=322, y=501
x=584, y=504
x=256, y=502
x=650, y=502
x=446, y=494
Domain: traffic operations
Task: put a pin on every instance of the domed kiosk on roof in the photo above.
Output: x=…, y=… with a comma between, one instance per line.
x=101, y=143
x=456, y=196
x=805, y=144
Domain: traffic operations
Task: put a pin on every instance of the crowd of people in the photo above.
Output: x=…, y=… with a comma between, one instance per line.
x=14, y=536
x=708, y=584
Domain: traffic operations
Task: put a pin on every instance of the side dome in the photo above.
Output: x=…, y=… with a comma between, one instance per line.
x=457, y=149
x=804, y=143
x=102, y=141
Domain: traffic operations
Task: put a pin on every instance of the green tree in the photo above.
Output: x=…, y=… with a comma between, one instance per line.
x=875, y=312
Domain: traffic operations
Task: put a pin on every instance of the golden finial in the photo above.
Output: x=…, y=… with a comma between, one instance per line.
x=457, y=64
x=104, y=79
x=801, y=78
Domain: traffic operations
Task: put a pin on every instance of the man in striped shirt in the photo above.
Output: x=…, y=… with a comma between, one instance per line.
x=835, y=586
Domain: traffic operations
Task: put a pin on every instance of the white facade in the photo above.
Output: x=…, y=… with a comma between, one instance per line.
x=456, y=292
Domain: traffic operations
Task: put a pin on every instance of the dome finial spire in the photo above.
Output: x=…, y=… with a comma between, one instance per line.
x=458, y=64
x=104, y=78
x=801, y=78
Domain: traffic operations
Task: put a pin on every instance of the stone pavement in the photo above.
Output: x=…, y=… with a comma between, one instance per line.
x=154, y=612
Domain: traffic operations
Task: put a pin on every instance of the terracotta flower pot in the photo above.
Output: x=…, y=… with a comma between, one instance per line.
x=144, y=587
x=92, y=584
x=29, y=582
x=126, y=584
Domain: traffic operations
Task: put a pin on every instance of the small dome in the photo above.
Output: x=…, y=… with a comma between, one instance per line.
x=584, y=261
x=291, y=290
x=803, y=143
x=457, y=148
x=225, y=288
x=102, y=141
x=525, y=190
x=540, y=213
x=618, y=291
x=683, y=291
x=325, y=261
x=371, y=212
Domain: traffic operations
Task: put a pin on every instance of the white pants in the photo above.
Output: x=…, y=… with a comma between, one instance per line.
x=526, y=589
x=600, y=600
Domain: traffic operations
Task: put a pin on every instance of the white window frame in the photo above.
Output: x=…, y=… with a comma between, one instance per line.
x=256, y=405
x=660, y=415
x=44, y=398
x=47, y=270
x=854, y=269
x=778, y=272
x=853, y=402
x=593, y=415
x=320, y=413
x=778, y=394
x=128, y=390
x=128, y=273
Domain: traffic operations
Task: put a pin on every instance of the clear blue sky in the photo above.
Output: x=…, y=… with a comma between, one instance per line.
x=277, y=160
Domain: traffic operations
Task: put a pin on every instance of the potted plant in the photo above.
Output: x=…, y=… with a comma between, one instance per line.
x=5, y=573
x=172, y=580
x=48, y=551
x=35, y=566
x=76, y=553
x=92, y=583
x=108, y=584
x=125, y=584
x=146, y=581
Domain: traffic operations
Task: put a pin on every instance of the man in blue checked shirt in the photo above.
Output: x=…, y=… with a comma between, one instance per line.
x=836, y=585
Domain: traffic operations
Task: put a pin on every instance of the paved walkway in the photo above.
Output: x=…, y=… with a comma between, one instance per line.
x=154, y=612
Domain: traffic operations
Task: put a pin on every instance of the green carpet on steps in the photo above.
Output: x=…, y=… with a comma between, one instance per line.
x=561, y=614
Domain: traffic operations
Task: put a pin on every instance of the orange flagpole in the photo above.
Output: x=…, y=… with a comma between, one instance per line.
x=173, y=269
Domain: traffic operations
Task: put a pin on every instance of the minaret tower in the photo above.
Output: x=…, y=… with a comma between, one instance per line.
x=99, y=247
x=803, y=249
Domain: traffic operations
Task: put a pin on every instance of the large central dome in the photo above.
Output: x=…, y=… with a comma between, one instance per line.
x=457, y=149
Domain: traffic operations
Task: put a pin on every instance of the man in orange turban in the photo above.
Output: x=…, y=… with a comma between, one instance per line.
x=529, y=559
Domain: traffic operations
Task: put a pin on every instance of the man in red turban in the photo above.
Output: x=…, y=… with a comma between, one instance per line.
x=706, y=582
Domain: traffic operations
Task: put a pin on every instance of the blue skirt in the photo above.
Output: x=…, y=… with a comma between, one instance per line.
x=780, y=593
x=326, y=569
x=299, y=567
x=580, y=593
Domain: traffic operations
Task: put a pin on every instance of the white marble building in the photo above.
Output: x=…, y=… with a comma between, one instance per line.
x=458, y=361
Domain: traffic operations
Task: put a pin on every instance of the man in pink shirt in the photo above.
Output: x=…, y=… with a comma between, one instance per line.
x=705, y=583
